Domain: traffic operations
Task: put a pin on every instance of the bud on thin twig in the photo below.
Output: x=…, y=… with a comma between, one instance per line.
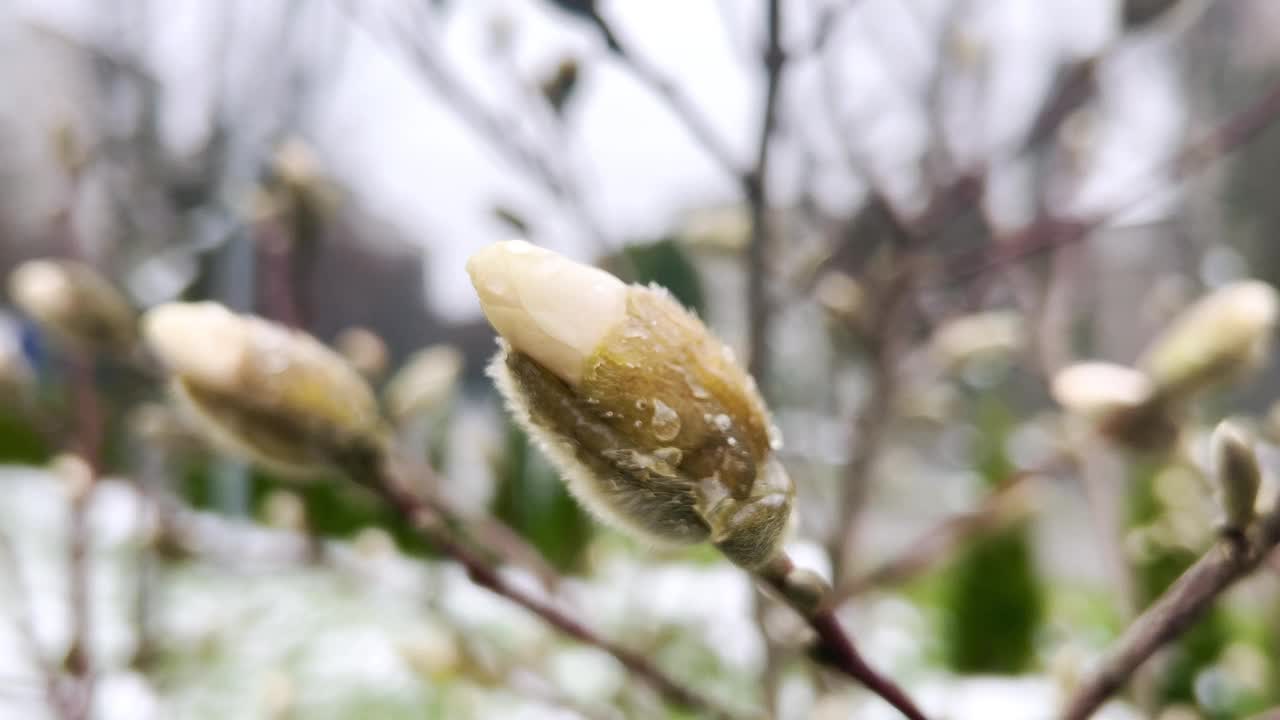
x=276, y=395
x=1235, y=473
x=649, y=418
x=425, y=382
x=1223, y=334
x=75, y=304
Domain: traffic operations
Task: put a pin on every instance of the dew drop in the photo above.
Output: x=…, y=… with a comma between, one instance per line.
x=608, y=413
x=639, y=424
x=722, y=422
x=641, y=405
x=666, y=422
x=733, y=442
x=699, y=392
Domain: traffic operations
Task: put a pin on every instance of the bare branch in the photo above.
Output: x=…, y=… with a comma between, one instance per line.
x=812, y=598
x=1174, y=612
x=385, y=477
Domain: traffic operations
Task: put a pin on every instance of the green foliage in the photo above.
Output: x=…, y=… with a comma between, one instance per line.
x=1155, y=571
x=533, y=500
x=994, y=599
x=663, y=262
x=20, y=444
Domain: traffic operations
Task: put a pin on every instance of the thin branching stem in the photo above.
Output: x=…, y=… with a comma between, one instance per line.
x=383, y=475
x=834, y=648
x=1186, y=601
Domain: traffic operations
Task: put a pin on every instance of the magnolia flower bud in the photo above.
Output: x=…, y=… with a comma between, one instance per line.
x=1224, y=333
x=276, y=395
x=75, y=304
x=1120, y=401
x=981, y=335
x=1235, y=473
x=425, y=382
x=654, y=426
x=364, y=350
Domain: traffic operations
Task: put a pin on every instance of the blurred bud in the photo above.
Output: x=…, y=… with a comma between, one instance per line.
x=1097, y=389
x=261, y=390
x=558, y=86
x=364, y=350
x=645, y=413
x=724, y=229
x=69, y=150
x=74, y=304
x=161, y=424
x=839, y=294
x=374, y=543
x=284, y=510
x=1235, y=474
x=431, y=652
x=301, y=178
x=977, y=336
x=1225, y=333
x=427, y=381
x=279, y=695
x=1119, y=401
x=75, y=474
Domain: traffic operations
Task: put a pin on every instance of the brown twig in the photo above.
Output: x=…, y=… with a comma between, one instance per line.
x=1174, y=612
x=811, y=597
x=680, y=105
x=940, y=541
x=870, y=425
x=384, y=477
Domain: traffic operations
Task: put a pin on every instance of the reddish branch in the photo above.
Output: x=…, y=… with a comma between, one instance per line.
x=813, y=599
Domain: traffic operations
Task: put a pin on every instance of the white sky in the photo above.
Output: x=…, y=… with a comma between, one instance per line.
x=411, y=160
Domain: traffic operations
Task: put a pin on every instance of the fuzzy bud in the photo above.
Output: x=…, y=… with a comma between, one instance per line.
x=426, y=381
x=981, y=335
x=653, y=424
x=1120, y=401
x=1235, y=473
x=364, y=350
x=1223, y=334
x=78, y=306
x=261, y=390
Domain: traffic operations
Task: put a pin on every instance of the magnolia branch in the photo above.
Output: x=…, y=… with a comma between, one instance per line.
x=1174, y=612
x=940, y=541
x=811, y=596
x=385, y=478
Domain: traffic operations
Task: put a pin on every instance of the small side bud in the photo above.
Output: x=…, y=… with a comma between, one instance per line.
x=1220, y=336
x=427, y=381
x=647, y=416
x=284, y=510
x=1235, y=473
x=261, y=390
x=364, y=350
x=78, y=306
x=841, y=295
x=977, y=336
x=1119, y=401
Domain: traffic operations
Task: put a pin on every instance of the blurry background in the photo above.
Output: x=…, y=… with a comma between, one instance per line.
x=1066, y=175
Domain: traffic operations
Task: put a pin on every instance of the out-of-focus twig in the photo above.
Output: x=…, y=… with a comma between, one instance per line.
x=50, y=677
x=943, y=539
x=385, y=477
x=1174, y=612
